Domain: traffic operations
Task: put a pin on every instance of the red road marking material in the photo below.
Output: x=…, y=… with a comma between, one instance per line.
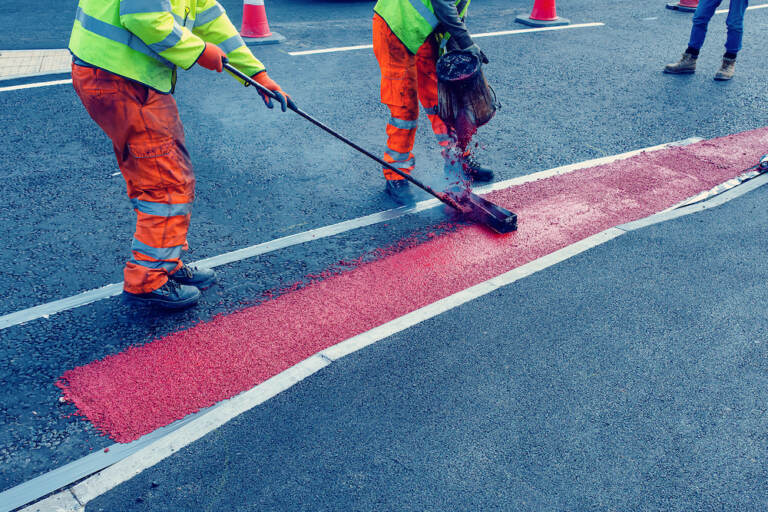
x=143, y=388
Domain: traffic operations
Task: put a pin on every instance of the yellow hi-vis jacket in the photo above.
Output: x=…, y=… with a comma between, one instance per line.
x=145, y=40
x=412, y=21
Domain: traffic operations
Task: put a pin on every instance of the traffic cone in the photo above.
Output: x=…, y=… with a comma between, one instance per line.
x=255, y=27
x=684, y=5
x=544, y=14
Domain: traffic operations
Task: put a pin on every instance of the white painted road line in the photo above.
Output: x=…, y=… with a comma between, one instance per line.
x=484, y=34
x=75, y=498
x=332, y=50
x=111, y=290
x=36, y=84
x=761, y=6
x=538, y=29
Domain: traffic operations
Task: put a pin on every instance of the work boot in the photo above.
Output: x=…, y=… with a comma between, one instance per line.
x=686, y=64
x=727, y=70
x=200, y=278
x=171, y=295
x=473, y=170
x=400, y=191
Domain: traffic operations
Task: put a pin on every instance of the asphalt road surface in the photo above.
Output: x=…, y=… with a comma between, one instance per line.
x=631, y=374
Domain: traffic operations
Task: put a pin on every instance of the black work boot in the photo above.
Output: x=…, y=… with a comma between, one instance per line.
x=400, y=191
x=473, y=170
x=200, y=278
x=171, y=295
x=686, y=65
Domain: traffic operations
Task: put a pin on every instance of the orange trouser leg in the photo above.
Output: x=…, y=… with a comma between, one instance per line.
x=426, y=77
x=148, y=140
x=399, y=93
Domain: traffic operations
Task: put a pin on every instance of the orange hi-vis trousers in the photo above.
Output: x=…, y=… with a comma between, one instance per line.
x=406, y=79
x=148, y=140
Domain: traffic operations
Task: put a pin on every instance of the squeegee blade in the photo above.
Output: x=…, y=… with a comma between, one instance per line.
x=492, y=215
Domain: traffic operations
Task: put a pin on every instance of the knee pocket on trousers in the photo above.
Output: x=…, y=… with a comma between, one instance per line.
x=161, y=163
x=399, y=91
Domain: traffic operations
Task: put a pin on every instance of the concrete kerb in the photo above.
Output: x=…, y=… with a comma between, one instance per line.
x=76, y=497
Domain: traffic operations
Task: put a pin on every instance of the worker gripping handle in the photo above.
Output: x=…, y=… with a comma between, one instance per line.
x=468, y=204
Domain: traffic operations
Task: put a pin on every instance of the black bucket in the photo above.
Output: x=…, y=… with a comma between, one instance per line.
x=465, y=100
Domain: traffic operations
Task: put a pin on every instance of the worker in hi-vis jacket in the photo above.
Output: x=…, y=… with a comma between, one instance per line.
x=407, y=37
x=125, y=59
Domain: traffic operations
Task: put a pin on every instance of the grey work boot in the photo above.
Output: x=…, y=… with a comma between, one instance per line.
x=171, y=295
x=400, y=191
x=200, y=278
x=686, y=64
x=727, y=70
x=474, y=170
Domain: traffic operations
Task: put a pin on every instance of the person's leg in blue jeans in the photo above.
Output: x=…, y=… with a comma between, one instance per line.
x=701, y=17
x=735, y=24
x=687, y=63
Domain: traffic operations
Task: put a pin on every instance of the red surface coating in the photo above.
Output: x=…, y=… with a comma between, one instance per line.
x=135, y=392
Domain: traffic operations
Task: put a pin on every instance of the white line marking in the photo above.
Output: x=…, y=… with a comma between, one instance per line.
x=114, y=289
x=761, y=6
x=538, y=29
x=36, y=84
x=331, y=50
x=484, y=34
x=224, y=411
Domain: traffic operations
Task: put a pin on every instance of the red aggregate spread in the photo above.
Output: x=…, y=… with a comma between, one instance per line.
x=132, y=393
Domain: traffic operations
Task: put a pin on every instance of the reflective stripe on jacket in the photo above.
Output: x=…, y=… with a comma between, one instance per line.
x=412, y=21
x=145, y=40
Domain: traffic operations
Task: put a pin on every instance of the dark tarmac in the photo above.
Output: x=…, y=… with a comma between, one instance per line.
x=567, y=96
x=631, y=377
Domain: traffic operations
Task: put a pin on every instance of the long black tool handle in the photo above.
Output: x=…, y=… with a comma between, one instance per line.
x=443, y=197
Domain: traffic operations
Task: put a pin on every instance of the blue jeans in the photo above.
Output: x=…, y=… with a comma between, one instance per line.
x=734, y=21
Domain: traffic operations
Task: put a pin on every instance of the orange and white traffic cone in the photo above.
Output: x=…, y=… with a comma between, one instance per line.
x=684, y=5
x=255, y=28
x=544, y=14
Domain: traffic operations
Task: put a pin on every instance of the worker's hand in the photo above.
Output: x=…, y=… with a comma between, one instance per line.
x=477, y=52
x=285, y=101
x=212, y=57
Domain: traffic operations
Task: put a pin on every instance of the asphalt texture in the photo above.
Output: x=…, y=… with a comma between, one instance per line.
x=66, y=224
x=631, y=377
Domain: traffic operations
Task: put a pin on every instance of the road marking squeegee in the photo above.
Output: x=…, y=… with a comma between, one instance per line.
x=466, y=203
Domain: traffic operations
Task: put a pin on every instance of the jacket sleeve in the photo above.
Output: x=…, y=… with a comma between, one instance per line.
x=154, y=22
x=448, y=16
x=213, y=25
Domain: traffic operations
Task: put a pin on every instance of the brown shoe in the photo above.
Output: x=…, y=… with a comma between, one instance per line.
x=727, y=70
x=686, y=64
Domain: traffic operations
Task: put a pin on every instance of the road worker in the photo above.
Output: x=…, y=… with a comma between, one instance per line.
x=408, y=36
x=125, y=59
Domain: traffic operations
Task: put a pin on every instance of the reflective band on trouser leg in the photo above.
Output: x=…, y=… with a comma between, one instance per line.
x=148, y=139
x=406, y=164
x=401, y=132
x=155, y=258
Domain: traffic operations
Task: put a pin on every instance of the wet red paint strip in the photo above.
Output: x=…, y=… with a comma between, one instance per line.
x=143, y=388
